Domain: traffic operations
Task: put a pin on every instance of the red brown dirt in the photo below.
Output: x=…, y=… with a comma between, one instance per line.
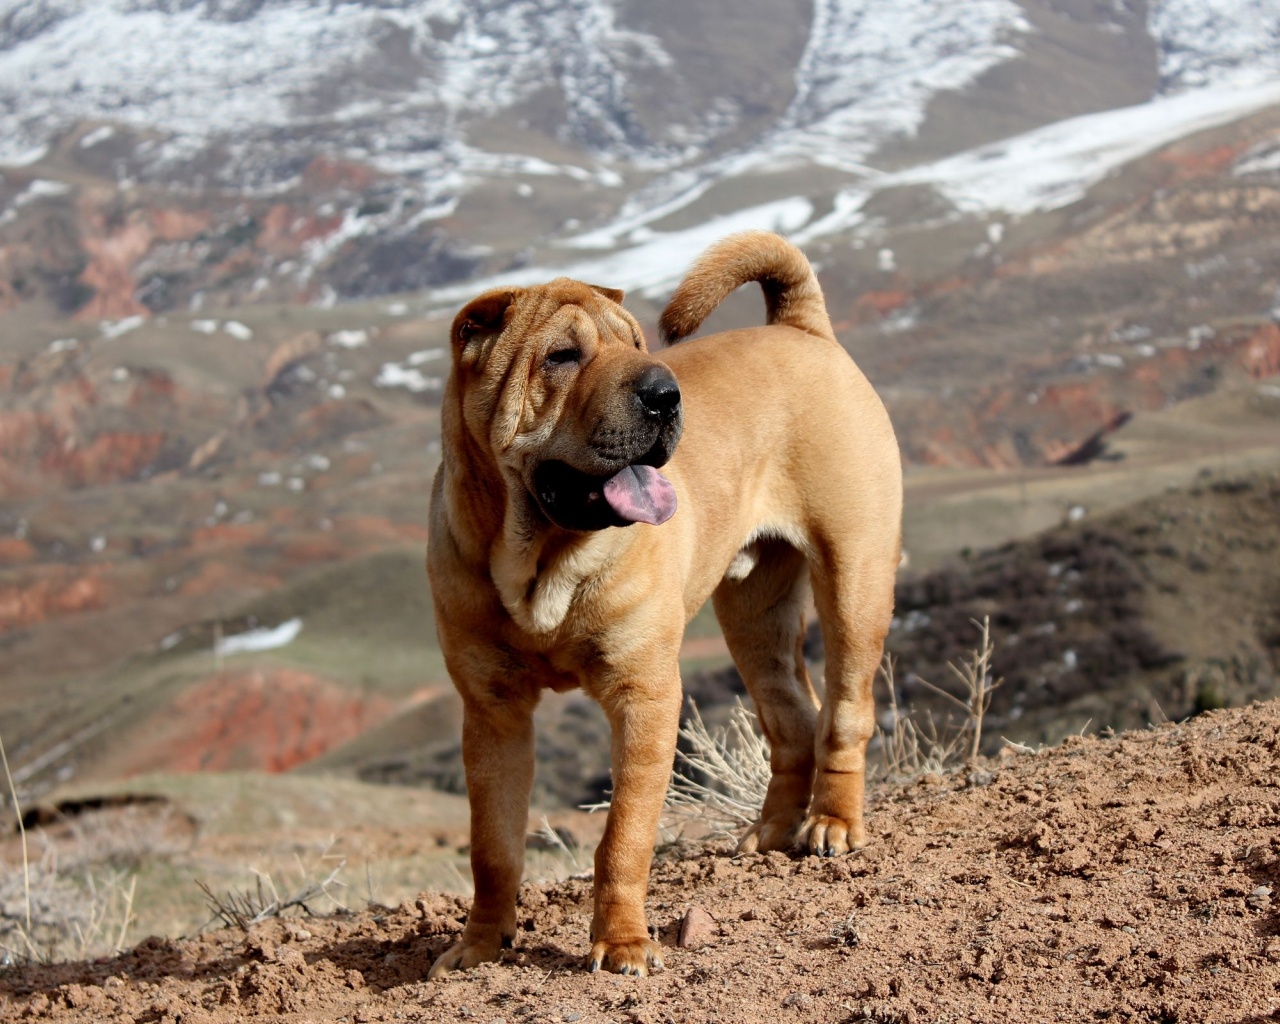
x=114, y=251
x=1126, y=879
x=285, y=228
x=265, y=720
x=1261, y=352
x=55, y=593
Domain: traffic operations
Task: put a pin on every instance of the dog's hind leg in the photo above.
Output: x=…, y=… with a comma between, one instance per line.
x=763, y=620
x=854, y=598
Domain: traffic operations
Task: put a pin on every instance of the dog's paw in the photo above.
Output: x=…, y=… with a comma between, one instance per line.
x=772, y=834
x=828, y=836
x=636, y=957
x=467, y=953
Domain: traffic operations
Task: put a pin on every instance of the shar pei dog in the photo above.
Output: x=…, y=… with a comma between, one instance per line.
x=592, y=495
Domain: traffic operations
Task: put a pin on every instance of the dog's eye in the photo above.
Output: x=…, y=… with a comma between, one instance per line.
x=563, y=357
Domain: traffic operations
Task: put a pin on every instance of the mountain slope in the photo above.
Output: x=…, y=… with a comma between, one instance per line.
x=645, y=108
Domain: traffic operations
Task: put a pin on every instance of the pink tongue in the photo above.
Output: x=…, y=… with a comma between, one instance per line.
x=640, y=494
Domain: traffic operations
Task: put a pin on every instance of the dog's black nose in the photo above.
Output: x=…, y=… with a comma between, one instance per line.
x=658, y=392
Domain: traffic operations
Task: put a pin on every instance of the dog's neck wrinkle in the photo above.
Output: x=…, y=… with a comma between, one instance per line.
x=539, y=575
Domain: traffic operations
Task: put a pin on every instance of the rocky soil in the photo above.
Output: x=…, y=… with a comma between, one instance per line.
x=1128, y=879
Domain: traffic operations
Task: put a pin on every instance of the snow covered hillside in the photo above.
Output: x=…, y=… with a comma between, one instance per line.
x=447, y=97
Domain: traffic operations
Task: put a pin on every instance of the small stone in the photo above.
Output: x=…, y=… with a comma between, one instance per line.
x=1073, y=860
x=697, y=929
x=798, y=1001
x=260, y=948
x=1262, y=890
x=751, y=915
x=980, y=777
x=569, y=1018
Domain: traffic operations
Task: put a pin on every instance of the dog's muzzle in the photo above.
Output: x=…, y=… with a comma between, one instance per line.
x=631, y=490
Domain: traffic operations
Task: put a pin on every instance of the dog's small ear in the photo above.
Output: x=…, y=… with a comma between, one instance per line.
x=483, y=317
x=612, y=294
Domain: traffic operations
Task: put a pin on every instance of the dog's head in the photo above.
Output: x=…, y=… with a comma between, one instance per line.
x=557, y=383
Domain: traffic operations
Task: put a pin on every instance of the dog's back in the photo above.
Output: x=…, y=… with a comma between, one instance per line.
x=791, y=292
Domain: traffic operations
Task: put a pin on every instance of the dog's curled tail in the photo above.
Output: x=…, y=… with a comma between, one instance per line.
x=792, y=295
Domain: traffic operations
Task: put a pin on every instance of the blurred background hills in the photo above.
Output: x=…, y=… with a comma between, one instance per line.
x=232, y=235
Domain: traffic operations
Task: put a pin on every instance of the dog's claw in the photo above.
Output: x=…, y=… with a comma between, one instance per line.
x=634, y=958
x=828, y=836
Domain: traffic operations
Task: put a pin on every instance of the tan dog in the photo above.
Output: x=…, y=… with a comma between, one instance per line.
x=561, y=557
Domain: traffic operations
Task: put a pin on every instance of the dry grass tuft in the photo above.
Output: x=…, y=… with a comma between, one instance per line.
x=50, y=911
x=557, y=855
x=59, y=918
x=912, y=743
x=243, y=908
x=719, y=782
x=909, y=743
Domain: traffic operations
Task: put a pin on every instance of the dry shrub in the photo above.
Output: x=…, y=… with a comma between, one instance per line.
x=719, y=782
x=555, y=855
x=51, y=910
x=315, y=887
x=912, y=744
x=48, y=915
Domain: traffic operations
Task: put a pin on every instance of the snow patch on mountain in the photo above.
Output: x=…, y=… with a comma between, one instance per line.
x=1218, y=63
x=179, y=70
x=867, y=76
x=656, y=262
x=1053, y=166
x=870, y=70
x=299, y=73
x=1215, y=42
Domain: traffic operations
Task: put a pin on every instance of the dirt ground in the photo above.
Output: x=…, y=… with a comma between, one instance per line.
x=1125, y=878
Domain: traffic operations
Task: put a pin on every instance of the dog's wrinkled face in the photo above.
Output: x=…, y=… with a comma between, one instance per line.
x=556, y=380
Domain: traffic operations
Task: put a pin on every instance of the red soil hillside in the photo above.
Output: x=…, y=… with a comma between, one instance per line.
x=258, y=719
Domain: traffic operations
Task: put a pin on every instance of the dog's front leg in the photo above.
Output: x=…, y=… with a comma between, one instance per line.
x=644, y=720
x=497, y=753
